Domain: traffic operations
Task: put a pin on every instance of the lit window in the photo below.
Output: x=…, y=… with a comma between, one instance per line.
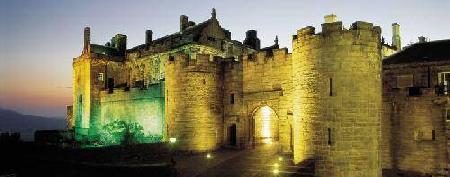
x=443, y=83
x=100, y=77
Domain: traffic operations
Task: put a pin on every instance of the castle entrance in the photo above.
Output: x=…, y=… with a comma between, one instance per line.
x=265, y=125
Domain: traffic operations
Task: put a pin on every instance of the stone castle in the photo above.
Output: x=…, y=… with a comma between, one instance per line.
x=334, y=100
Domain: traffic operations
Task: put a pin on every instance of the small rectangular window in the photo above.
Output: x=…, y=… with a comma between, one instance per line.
x=447, y=114
x=414, y=91
x=433, y=135
x=443, y=87
x=232, y=98
x=331, y=86
x=329, y=136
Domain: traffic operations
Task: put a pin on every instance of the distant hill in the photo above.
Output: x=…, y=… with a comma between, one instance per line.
x=11, y=121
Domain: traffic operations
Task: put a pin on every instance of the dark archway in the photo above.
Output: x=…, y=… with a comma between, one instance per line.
x=232, y=135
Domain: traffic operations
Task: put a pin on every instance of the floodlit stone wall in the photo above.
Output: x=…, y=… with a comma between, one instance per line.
x=194, y=101
x=337, y=99
x=233, y=101
x=81, y=95
x=410, y=119
x=267, y=81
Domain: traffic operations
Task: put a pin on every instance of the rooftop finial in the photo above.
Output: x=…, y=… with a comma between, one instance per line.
x=276, y=39
x=213, y=13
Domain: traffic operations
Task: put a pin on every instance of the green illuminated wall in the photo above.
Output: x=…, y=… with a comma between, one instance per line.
x=143, y=107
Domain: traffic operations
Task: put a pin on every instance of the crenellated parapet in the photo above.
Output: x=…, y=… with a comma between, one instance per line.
x=273, y=57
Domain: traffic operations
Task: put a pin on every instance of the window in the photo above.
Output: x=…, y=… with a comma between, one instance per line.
x=331, y=86
x=329, y=136
x=447, y=114
x=171, y=58
x=424, y=135
x=443, y=83
x=404, y=81
x=414, y=91
x=100, y=77
x=433, y=135
x=110, y=85
x=232, y=98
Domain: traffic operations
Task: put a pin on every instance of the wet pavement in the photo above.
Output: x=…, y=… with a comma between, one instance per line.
x=264, y=160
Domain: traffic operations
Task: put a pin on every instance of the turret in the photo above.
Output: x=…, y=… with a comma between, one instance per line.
x=396, y=40
x=329, y=94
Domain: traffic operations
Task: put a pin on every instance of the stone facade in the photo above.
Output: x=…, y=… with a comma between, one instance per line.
x=322, y=103
x=415, y=122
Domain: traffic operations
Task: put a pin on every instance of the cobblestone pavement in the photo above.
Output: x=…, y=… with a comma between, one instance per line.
x=264, y=160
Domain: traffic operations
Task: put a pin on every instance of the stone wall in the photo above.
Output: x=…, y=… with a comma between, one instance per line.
x=233, y=101
x=267, y=81
x=409, y=120
x=81, y=95
x=194, y=101
x=337, y=99
x=143, y=106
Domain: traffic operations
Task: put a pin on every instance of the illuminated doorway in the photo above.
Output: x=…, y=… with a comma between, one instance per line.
x=265, y=125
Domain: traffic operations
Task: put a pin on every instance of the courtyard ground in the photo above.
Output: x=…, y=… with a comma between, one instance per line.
x=264, y=160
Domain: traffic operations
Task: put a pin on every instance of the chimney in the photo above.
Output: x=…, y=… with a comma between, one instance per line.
x=184, y=22
x=396, y=40
x=87, y=40
x=148, y=36
x=422, y=39
x=121, y=43
x=330, y=18
x=252, y=40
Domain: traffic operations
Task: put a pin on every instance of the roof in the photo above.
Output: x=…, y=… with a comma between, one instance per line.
x=422, y=52
x=191, y=30
x=101, y=49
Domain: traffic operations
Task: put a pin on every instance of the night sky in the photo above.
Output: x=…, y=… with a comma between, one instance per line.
x=39, y=39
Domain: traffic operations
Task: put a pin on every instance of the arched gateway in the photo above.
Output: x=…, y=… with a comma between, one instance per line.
x=265, y=126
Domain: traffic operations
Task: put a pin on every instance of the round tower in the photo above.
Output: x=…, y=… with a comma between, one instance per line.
x=337, y=99
x=194, y=102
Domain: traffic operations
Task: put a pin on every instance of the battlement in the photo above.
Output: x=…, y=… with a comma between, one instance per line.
x=329, y=29
x=279, y=56
x=122, y=94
